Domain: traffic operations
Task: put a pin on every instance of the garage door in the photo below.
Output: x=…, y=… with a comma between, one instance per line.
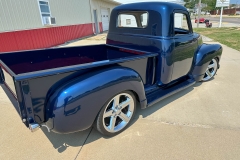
x=105, y=19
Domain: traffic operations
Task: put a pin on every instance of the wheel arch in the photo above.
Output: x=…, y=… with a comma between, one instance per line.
x=203, y=56
x=78, y=102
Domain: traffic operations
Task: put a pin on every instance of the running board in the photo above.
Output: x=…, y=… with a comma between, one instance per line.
x=164, y=93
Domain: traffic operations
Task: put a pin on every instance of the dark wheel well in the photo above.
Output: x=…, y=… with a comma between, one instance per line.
x=217, y=58
x=135, y=94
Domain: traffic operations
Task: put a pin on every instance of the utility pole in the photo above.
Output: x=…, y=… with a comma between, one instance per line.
x=220, y=23
x=199, y=11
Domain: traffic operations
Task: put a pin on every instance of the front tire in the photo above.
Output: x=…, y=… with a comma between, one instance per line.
x=211, y=70
x=116, y=114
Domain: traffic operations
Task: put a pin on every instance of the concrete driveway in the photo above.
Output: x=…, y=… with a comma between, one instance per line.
x=201, y=122
x=98, y=39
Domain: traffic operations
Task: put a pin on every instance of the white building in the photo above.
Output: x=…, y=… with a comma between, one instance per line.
x=32, y=24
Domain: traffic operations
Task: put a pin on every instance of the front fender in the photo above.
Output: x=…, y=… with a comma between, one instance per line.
x=75, y=105
x=203, y=56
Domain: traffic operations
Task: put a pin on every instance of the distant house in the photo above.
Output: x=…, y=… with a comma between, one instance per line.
x=231, y=11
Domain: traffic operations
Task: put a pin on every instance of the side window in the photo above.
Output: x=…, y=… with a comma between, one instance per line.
x=144, y=19
x=181, y=24
x=134, y=19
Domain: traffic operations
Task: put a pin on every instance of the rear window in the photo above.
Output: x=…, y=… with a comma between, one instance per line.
x=138, y=19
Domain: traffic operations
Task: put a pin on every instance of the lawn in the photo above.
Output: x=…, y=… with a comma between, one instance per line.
x=228, y=36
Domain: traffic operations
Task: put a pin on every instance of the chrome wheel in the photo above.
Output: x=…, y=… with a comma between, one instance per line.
x=118, y=112
x=211, y=70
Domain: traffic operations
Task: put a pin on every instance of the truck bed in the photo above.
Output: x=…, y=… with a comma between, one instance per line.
x=41, y=72
x=37, y=60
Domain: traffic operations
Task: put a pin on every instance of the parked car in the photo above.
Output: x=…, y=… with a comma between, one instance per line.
x=73, y=88
x=201, y=20
x=237, y=12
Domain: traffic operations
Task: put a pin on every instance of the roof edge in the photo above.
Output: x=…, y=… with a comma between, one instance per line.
x=112, y=1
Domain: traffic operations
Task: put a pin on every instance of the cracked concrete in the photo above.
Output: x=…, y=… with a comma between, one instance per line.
x=201, y=122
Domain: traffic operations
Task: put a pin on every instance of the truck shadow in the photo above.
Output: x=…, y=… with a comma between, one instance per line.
x=148, y=111
x=62, y=141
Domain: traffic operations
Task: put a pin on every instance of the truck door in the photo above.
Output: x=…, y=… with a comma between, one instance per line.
x=185, y=44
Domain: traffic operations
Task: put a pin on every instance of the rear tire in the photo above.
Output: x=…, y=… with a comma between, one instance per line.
x=116, y=114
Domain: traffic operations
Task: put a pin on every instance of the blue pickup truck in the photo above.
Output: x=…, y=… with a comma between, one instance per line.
x=151, y=52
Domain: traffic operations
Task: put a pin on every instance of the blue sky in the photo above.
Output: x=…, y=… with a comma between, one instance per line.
x=235, y=1
x=129, y=1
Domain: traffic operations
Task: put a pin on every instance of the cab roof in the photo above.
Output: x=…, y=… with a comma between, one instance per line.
x=155, y=6
x=160, y=18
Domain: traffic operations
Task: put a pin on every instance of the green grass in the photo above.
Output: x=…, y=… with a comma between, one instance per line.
x=228, y=36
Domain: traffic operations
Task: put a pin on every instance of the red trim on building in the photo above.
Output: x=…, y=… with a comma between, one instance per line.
x=42, y=38
x=100, y=27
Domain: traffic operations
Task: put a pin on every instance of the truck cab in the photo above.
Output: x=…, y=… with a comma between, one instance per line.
x=162, y=28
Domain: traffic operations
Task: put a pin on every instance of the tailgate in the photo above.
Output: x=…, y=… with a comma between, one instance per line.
x=8, y=81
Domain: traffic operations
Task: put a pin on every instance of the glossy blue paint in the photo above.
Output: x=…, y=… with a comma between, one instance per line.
x=70, y=85
x=83, y=97
x=183, y=54
x=52, y=82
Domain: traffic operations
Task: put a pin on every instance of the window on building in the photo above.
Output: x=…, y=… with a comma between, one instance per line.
x=136, y=19
x=44, y=9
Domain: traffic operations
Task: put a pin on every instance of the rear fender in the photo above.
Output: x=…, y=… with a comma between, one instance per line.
x=203, y=56
x=75, y=105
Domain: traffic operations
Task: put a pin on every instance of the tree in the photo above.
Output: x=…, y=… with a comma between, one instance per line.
x=233, y=6
x=190, y=3
x=211, y=4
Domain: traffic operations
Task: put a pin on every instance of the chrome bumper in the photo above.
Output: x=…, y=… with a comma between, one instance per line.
x=34, y=127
